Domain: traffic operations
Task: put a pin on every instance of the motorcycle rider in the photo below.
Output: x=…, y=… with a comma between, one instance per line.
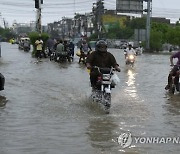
x=66, y=46
x=139, y=50
x=174, y=71
x=85, y=49
x=50, y=46
x=71, y=48
x=59, y=48
x=26, y=44
x=129, y=51
x=67, y=50
x=101, y=58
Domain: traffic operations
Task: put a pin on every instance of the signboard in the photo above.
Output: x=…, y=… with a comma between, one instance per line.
x=129, y=6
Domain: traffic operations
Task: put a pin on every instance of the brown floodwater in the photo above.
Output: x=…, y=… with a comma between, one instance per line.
x=45, y=107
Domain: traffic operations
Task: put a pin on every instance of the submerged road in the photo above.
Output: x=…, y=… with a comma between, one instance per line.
x=45, y=109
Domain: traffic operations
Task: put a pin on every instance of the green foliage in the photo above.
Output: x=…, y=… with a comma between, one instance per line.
x=137, y=23
x=161, y=28
x=93, y=37
x=6, y=34
x=156, y=40
x=173, y=36
x=165, y=34
x=125, y=33
x=160, y=32
x=119, y=33
x=34, y=36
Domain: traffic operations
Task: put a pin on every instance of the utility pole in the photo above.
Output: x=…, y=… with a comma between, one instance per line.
x=38, y=16
x=4, y=22
x=148, y=26
x=94, y=10
x=99, y=11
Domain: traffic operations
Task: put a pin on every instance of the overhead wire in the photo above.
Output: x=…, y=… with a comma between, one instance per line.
x=69, y=8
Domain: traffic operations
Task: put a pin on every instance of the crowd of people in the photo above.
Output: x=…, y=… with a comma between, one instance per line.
x=100, y=57
x=53, y=46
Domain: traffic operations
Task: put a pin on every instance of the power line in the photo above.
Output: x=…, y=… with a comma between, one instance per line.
x=49, y=8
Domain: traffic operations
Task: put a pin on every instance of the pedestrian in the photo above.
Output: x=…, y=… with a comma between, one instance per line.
x=71, y=48
x=39, y=48
x=50, y=46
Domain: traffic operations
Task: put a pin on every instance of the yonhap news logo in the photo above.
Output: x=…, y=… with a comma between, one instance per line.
x=126, y=139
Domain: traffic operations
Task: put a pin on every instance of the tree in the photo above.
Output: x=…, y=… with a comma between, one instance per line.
x=173, y=36
x=7, y=34
x=155, y=41
x=137, y=23
x=34, y=36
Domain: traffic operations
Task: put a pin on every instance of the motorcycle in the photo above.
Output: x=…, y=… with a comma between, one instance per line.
x=52, y=55
x=61, y=57
x=130, y=59
x=82, y=56
x=175, y=86
x=107, y=80
x=139, y=51
x=26, y=48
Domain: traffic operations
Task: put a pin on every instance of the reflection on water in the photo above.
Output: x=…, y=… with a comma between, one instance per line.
x=131, y=87
x=173, y=104
x=131, y=78
x=101, y=132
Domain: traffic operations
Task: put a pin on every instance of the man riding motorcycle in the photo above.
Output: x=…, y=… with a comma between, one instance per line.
x=100, y=58
x=50, y=46
x=85, y=49
x=174, y=72
x=27, y=45
x=129, y=51
x=59, y=48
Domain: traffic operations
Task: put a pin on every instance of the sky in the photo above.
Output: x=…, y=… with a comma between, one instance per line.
x=23, y=11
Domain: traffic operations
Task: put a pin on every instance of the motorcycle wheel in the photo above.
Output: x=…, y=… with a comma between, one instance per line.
x=70, y=59
x=107, y=102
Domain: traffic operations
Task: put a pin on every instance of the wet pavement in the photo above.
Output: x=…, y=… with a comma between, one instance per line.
x=45, y=107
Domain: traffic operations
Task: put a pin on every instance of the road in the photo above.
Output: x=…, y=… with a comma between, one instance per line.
x=45, y=107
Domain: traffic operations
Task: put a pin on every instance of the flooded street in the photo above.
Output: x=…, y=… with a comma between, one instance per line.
x=45, y=109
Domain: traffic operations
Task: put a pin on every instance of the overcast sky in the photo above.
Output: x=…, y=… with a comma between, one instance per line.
x=23, y=11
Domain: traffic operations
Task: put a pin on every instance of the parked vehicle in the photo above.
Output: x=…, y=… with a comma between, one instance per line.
x=61, y=57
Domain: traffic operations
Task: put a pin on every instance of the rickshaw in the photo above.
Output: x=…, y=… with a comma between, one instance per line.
x=21, y=42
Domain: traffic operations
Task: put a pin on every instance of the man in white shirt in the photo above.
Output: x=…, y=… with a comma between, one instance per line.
x=129, y=51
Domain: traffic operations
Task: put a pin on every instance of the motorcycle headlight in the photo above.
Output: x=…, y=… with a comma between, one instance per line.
x=106, y=76
x=131, y=57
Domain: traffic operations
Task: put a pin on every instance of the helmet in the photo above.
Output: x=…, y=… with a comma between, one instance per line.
x=130, y=45
x=101, y=46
